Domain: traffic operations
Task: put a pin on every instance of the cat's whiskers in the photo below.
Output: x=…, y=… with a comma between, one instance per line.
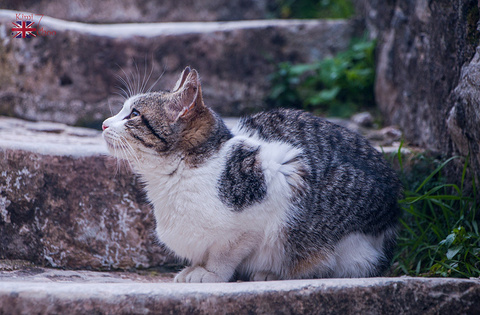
x=127, y=82
x=145, y=78
x=142, y=82
x=117, y=159
x=156, y=81
x=120, y=145
x=136, y=79
x=126, y=154
x=120, y=151
x=123, y=82
x=125, y=160
x=134, y=83
x=122, y=93
x=110, y=107
x=129, y=149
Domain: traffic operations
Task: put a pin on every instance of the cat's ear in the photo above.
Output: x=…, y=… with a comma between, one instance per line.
x=182, y=79
x=190, y=96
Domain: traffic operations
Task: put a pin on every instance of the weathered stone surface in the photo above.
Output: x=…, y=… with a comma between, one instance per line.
x=364, y=119
x=71, y=76
x=427, y=82
x=124, y=11
x=463, y=119
x=22, y=271
x=329, y=296
x=65, y=204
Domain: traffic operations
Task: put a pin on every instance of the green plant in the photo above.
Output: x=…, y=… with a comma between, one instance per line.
x=337, y=86
x=439, y=235
x=314, y=9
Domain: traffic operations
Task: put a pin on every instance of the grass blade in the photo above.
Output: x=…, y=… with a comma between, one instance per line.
x=438, y=169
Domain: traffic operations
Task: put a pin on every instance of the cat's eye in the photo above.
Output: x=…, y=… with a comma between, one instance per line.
x=133, y=114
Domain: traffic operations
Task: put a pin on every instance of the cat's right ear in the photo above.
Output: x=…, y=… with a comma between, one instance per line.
x=182, y=79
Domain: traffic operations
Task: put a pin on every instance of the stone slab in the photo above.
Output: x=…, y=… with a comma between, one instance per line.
x=324, y=296
x=50, y=138
x=23, y=271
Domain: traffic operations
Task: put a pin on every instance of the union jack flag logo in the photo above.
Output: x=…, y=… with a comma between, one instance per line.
x=23, y=29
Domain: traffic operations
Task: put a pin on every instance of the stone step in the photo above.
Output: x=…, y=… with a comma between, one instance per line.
x=69, y=72
x=40, y=291
x=65, y=203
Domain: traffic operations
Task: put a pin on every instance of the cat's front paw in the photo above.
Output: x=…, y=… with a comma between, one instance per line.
x=197, y=274
x=264, y=276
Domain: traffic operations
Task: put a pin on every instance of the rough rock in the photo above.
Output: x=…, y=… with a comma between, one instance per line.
x=364, y=119
x=125, y=11
x=463, y=119
x=426, y=80
x=327, y=296
x=63, y=203
x=71, y=76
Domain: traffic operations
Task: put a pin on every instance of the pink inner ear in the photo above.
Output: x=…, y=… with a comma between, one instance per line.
x=187, y=109
x=189, y=95
x=185, y=74
x=182, y=79
x=184, y=112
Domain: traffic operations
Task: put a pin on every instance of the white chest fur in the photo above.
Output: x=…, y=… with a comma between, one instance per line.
x=191, y=219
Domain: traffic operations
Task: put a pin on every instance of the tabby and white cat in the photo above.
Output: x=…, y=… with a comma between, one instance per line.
x=284, y=195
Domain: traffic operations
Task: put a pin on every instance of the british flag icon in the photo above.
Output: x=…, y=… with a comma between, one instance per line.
x=23, y=29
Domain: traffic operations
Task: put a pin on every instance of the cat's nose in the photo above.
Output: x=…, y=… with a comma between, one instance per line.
x=104, y=126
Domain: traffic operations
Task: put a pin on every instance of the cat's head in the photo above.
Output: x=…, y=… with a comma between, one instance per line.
x=160, y=124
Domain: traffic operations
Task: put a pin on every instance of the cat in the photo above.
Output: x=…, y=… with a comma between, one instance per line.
x=284, y=195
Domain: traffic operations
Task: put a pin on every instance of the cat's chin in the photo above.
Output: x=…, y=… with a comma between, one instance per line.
x=115, y=151
x=117, y=156
x=121, y=156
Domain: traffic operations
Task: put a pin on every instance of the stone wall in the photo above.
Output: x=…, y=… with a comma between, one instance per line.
x=123, y=11
x=428, y=73
x=71, y=76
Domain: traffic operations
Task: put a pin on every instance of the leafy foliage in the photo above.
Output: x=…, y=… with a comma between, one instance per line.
x=337, y=86
x=313, y=9
x=440, y=235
